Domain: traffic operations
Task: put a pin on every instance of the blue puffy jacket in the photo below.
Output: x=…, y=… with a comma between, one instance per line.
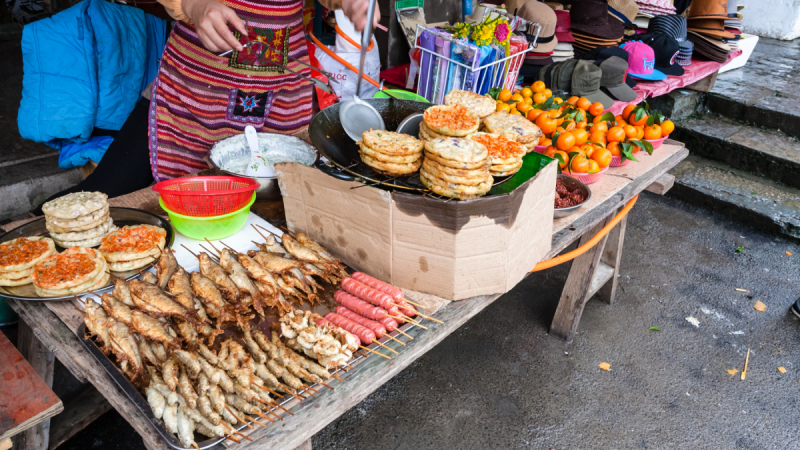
x=86, y=67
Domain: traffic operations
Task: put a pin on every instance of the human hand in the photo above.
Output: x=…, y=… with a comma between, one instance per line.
x=212, y=19
x=356, y=11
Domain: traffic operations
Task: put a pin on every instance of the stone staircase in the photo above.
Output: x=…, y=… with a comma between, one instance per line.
x=743, y=139
x=29, y=171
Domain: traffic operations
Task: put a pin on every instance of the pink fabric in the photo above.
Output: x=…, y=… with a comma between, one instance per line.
x=664, y=4
x=693, y=73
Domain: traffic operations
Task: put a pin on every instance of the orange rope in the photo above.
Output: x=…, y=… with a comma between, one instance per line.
x=351, y=41
x=585, y=247
x=325, y=49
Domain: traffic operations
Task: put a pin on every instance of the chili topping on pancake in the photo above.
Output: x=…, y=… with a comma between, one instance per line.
x=22, y=251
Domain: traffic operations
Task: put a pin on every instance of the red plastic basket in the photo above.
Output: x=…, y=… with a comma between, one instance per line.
x=206, y=196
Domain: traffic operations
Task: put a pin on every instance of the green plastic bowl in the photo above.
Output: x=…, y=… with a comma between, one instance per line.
x=211, y=228
x=404, y=95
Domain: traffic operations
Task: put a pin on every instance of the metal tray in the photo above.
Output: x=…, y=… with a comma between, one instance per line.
x=141, y=402
x=121, y=216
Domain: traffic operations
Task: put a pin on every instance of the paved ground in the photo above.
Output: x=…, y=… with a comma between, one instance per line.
x=501, y=382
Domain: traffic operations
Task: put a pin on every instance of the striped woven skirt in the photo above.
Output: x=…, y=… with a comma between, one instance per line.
x=200, y=98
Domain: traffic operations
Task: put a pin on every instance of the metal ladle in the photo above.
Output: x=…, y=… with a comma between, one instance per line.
x=356, y=115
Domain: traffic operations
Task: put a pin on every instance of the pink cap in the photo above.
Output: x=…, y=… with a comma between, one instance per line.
x=641, y=61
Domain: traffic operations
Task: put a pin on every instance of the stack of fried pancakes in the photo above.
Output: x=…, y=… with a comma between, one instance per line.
x=456, y=168
x=390, y=153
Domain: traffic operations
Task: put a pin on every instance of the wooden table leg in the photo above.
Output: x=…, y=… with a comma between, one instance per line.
x=578, y=286
x=612, y=254
x=42, y=361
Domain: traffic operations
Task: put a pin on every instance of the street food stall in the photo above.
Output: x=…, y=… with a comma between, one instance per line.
x=251, y=304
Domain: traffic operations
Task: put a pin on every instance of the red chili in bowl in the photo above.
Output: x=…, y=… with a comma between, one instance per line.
x=566, y=198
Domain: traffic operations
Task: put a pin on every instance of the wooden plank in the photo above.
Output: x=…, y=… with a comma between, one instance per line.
x=310, y=417
x=304, y=446
x=29, y=392
x=563, y=238
x=612, y=255
x=26, y=399
x=602, y=275
x=663, y=184
x=66, y=347
x=79, y=412
x=704, y=84
x=573, y=298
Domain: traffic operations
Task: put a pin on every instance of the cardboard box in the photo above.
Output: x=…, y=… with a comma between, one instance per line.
x=452, y=249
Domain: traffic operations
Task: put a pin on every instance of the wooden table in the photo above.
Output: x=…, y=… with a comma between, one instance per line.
x=53, y=323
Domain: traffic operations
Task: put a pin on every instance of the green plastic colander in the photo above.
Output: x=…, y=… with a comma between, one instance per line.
x=211, y=228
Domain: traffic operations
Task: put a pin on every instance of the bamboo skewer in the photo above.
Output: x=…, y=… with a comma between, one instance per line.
x=237, y=417
x=255, y=421
x=334, y=376
x=307, y=387
x=278, y=405
x=395, y=339
x=415, y=304
x=212, y=246
x=404, y=334
x=373, y=351
x=194, y=444
x=259, y=233
x=408, y=319
x=263, y=416
x=421, y=315
x=384, y=346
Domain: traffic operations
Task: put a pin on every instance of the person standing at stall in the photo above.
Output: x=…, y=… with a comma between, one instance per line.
x=199, y=98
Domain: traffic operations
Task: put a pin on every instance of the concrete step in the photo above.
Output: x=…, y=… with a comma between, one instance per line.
x=739, y=195
x=25, y=185
x=764, y=91
x=767, y=153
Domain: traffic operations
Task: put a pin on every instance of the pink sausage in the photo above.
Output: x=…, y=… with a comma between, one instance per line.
x=393, y=291
x=389, y=323
x=359, y=306
x=376, y=327
x=365, y=292
x=366, y=335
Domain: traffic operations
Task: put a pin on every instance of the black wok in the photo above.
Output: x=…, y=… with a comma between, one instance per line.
x=330, y=139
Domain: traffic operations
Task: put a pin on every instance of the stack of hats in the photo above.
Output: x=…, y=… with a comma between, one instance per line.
x=600, y=55
x=534, y=12
x=665, y=51
x=593, y=26
x=563, y=50
x=581, y=78
x=654, y=8
x=734, y=22
x=642, y=62
x=707, y=29
x=624, y=10
x=675, y=27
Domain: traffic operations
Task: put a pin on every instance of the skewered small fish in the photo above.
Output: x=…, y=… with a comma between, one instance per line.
x=187, y=332
x=116, y=309
x=203, y=384
x=208, y=354
x=166, y=266
x=300, y=251
x=217, y=398
x=123, y=292
x=152, y=300
x=147, y=353
x=156, y=401
x=159, y=350
x=185, y=427
x=204, y=406
x=190, y=361
x=255, y=351
x=180, y=283
x=186, y=389
x=125, y=347
x=320, y=250
x=238, y=274
x=169, y=372
x=211, y=297
x=150, y=277
x=170, y=418
x=96, y=319
x=217, y=274
x=154, y=329
x=275, y=263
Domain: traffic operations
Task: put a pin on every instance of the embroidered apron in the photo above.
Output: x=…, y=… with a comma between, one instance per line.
x=200, y=98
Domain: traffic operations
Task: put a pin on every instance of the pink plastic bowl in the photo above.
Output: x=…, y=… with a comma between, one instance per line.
x=657, y=143
x=616, y=161
x=586, y=178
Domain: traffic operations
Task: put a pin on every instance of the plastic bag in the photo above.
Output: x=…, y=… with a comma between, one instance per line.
x=345, y=89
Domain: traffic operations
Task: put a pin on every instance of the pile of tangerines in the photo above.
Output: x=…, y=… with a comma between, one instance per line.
x=579, y=133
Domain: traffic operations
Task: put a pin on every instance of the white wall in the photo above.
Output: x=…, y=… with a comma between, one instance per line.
x=779, y=19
